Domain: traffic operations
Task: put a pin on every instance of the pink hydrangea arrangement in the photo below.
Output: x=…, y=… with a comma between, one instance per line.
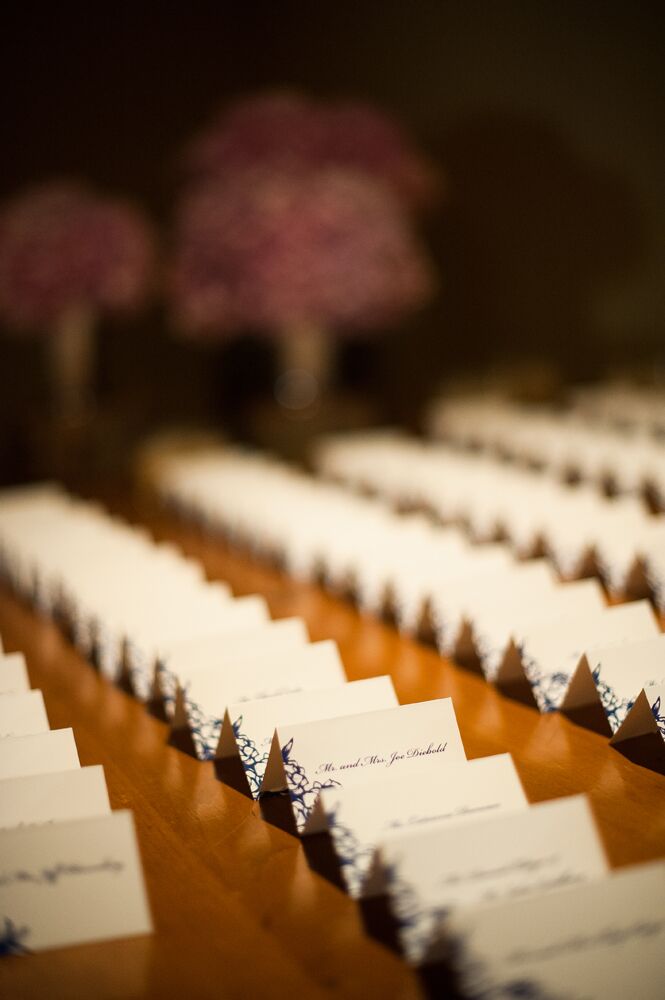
x=67, y=256
x=285, y=131
x=63, y=248
x=275, y=251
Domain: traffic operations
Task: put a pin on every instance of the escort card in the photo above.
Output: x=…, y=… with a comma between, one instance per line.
x=69, y=883
x=248, y=727
x=201, y=705
x=13, y=674
x=494, y=636
x=646, y=715
x=434, y=790
x=144, y=644
x=443, y=867
x=614, y=675
x=304, y=759
x=603, y=940
x=181, y=660
x=54, y=797
x=22, y=714
x=38, y=754
x=462, y=602
x=550, y=655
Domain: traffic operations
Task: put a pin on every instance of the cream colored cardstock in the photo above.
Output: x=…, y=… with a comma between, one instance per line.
x=38, y=754
x=304, y=759
x=13, y=674
x=433, y=791
x=22, y=714
x=70, y=883
x=53, y=798
x=442, y=868
x=248, y=727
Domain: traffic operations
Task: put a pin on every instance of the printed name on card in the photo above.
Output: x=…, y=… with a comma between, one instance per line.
x=13, y=674
x=434, y=790
x=69, y=883
x=53, y=797
x=440, y=868
x=38, y=754
x=248, y=727
x=304, y=759
x=22, y=714
x=602, y=940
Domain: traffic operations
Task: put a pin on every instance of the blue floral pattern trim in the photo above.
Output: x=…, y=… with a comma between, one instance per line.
x=548, y=689
x=253, y=761
x=302, y=791
x=616, y=709
x=354, y=857
x=660, y=719
x=418, y=923
x=205, y=730
x=12, y=938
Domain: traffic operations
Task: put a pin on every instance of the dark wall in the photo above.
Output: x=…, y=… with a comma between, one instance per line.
x=546, y=116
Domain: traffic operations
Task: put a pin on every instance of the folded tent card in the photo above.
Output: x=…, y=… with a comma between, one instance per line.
x=458, y=606
x=22, y=714
x=39, y=753
x=70, y=883
x=13, y=673
x=549, y=655
x=181, y=660
x=308, y=757
x=435, y=790
x=248, y=727
x=646, y=715
x=200, y=706
x=435, y=870
x=614, y=676
x=499, y=640
x=600, y=940
x=145, y=638
x=53, y=797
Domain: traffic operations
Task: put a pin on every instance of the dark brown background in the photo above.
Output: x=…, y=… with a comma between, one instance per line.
x=547, y=118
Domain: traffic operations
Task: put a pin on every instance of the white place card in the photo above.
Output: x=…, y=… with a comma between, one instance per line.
x=22, y=714
x=614, y=675
x=550, y=655
x=645, y=716
x=13, y=674
x=304, y=759
x=144, y=644
x=248, y=727
x=460, y=604
x=442, y=867
x=182, y=660
x=603, y=940
x=53, y=798
x=500, y=634
x=38, y=754
x=434, y=791
x=201, y=705
x=70, y=883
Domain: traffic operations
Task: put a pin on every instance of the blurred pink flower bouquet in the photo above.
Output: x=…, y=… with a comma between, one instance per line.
x=297, y=221
x=67, y=256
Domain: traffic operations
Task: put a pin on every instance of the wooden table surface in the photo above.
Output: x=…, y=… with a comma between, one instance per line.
x=238, y=912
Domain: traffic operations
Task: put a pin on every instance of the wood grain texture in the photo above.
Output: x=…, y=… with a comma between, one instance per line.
x=238, y=912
